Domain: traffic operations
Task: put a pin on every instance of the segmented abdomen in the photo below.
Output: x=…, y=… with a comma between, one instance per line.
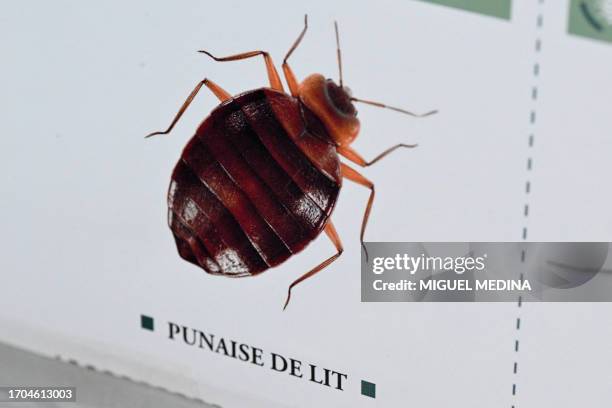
x=254, y=185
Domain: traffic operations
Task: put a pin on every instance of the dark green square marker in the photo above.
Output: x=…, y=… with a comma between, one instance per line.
x=147, y=322
x=368, y=389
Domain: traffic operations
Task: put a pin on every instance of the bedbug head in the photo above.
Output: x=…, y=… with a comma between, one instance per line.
x=332, y=104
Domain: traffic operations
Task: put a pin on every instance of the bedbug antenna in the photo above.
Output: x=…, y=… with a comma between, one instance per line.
x=382, y=105
x=338, y=52
x=298, y=40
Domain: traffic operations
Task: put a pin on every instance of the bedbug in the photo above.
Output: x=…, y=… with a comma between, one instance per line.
x=260, y=178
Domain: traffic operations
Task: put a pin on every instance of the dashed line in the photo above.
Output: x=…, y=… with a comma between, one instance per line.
x=530, y=163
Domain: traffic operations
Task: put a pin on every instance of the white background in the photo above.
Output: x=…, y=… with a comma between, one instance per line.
x=86, y=249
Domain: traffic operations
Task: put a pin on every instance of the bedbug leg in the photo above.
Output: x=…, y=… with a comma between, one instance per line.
x=333, y=236
x=289, y=76
x=355, y=177
x=356, y=158
x=275, y=82
x=216, y=89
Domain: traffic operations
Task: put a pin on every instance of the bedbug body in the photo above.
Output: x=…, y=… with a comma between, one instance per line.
x=261, y=176
x=256, y=183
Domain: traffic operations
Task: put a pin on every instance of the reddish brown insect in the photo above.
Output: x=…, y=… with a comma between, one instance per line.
x=260, y=178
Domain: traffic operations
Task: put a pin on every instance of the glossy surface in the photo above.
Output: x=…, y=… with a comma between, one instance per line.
x=256, y=183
